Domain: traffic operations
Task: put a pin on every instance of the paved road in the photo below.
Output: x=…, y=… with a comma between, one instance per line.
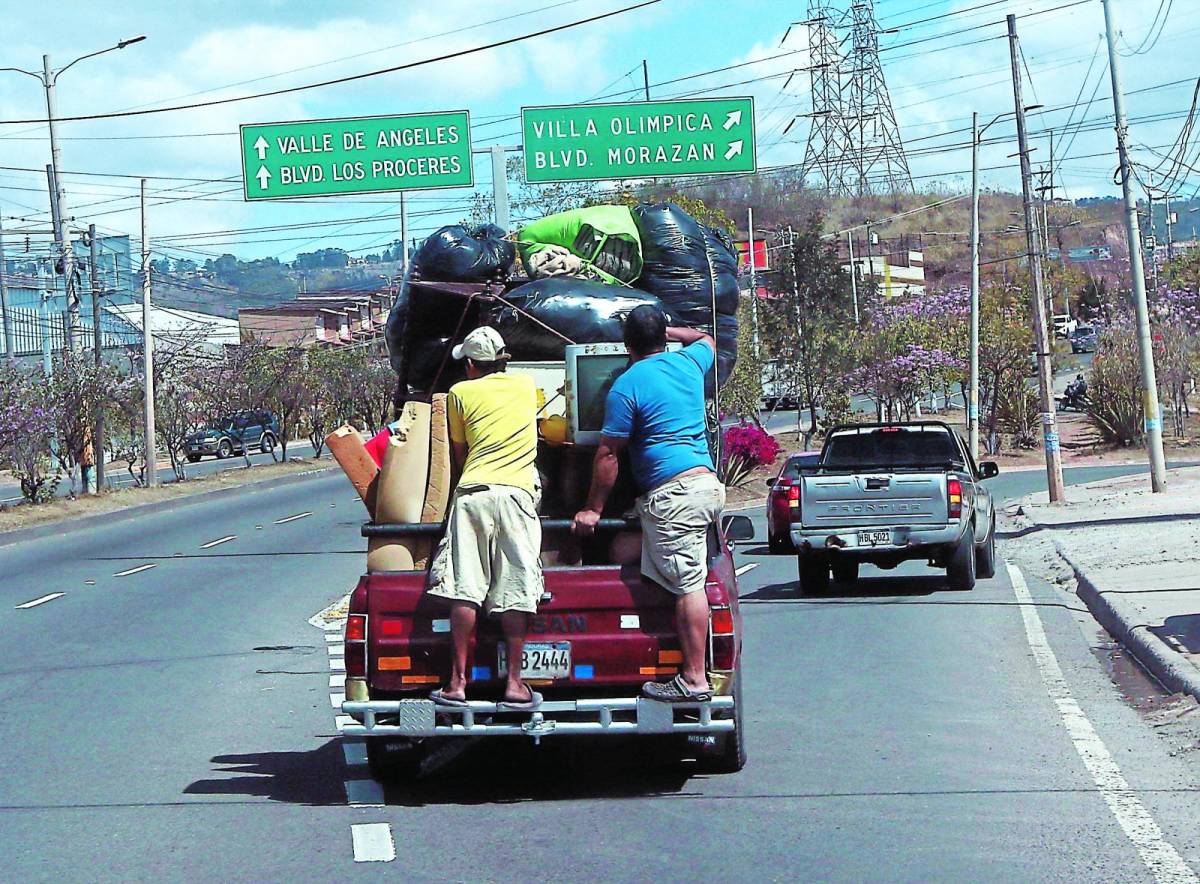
x=175, y=723
x=117, y=476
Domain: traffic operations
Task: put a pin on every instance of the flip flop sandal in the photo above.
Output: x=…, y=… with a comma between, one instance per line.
x=674, y=691
x=534, y=701
x=439, y=697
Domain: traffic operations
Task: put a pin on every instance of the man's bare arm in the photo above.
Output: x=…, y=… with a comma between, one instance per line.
x=458, y=458
x=686, y=336
x=605, y=468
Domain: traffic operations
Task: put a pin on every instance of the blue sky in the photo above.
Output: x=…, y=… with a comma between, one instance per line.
x=206, y=50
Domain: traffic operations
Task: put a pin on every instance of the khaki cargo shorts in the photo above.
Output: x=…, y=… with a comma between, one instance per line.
x=675, y=520
x=490, y=553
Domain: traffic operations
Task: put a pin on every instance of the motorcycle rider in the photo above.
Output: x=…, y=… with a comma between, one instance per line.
x=1076, y=393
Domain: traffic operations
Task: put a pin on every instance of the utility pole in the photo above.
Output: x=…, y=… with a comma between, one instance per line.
x=853, y=274
x=58, y=200
x=1153, y=227
x=973, y=398
x=98, y=344
x=753, y=282
x=10, y=348
x=646, y=79
x=404, y=232
x=151, y=441
x=1054, y=475
x=1158, y=466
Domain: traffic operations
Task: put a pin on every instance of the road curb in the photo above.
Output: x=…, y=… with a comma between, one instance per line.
x=69, y=524
x=1123, y=622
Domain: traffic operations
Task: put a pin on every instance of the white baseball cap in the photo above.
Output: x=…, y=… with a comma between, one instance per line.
x=484, y=344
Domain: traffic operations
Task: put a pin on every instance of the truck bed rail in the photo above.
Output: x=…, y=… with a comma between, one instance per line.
x=413, y=529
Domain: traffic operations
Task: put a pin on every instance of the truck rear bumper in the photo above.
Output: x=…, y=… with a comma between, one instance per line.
x=628, y=715
x=845, y=539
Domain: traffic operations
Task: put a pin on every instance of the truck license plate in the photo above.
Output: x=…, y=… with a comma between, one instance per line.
x=539, y=660
x=875, y=538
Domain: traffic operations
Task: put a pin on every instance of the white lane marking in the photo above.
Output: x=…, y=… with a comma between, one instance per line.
x=218, y=541
x=292, y=518
x=341, y=721
x=355, y=752
x=742, y=570
x=337, y=664
x=373, y=842
x=364, y=793
x=39, y=601
x=1160, y=858
x=336, y=700
x=136, y=570
x=332, y=637
x=337, y=681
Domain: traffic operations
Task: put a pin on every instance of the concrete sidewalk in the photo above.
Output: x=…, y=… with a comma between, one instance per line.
x=1136, y=557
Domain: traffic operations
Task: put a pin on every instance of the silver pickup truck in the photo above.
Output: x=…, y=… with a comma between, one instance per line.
x=888, y=493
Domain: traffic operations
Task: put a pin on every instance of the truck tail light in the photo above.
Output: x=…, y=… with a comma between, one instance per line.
x=793, y=502
x=954, y=495
x=724, y=642
x=356, y=646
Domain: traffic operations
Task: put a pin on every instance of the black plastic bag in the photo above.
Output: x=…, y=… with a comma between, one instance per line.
x=457, y=254
x=425, y=360
x=397, y=321
x=684, y=263
x=585, y=311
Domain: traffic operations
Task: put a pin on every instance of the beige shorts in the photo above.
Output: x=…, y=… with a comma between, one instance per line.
x=489, y=555
x=675, y=520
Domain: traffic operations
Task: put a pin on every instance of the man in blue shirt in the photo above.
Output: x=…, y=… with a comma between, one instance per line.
x=656, y=411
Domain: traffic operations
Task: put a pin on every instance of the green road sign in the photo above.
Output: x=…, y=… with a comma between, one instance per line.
x=642, y=139
x=356, y=155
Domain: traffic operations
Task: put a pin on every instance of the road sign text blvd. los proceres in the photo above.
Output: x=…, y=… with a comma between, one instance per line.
x=588, y=142
x=356, y=155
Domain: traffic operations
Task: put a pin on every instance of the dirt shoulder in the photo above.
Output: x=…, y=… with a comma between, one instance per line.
x=17, y=518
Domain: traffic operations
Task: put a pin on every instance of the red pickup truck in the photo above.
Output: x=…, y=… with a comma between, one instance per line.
x=601, y=631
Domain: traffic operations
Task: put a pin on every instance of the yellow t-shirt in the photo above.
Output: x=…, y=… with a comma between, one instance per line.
x=496, y=416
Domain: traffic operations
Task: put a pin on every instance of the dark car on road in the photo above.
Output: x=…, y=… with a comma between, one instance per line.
x=783, y=499
x=239, y=433
x=1083, y=339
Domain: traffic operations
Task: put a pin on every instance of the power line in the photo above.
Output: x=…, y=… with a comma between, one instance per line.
x=350, y=78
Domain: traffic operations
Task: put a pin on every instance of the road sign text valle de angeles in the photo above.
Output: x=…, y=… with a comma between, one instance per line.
x=356, y=155
x=641, y=139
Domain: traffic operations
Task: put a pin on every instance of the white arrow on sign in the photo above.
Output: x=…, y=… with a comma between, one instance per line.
x=733, y=118
x=264, y=176
x=735, y=148
x=262, y=144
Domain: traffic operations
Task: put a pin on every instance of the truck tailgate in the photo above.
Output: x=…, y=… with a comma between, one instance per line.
x=608, y=626
x=845, y=500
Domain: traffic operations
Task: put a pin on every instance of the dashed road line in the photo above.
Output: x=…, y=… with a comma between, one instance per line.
x=1161, y=859
x=136, y=570
x=742, y=570
x=355, y=752
x=218, y=541
x=364, y=793
x=284, y=521
x=373, y=842
x=336, y=700
x=336, y=681
x=40, y=601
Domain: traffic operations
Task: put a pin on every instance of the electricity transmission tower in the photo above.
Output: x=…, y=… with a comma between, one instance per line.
x=823, y=156
x=854, y=145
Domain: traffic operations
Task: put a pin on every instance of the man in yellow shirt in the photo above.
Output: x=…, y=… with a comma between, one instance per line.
x=489, y=557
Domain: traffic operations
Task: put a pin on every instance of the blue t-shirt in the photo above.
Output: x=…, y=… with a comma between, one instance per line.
x=658, y=405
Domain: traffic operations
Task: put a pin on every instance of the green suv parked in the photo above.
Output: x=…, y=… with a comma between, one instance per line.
x=239, y=433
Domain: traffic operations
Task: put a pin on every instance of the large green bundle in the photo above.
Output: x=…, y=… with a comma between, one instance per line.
x=605, y=238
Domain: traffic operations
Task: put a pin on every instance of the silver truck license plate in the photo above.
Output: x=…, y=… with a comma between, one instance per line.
x=875, y=538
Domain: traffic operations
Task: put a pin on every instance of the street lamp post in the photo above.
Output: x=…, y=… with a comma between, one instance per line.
x=48, y=77
x=973, y=399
